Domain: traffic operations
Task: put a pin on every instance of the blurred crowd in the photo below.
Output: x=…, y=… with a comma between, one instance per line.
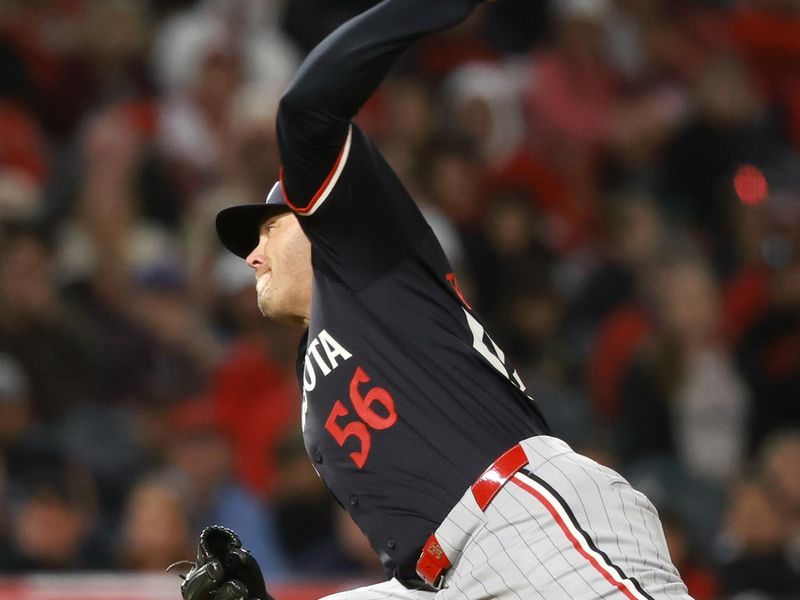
x=617, y=183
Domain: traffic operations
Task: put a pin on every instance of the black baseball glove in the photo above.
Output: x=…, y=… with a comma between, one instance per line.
x=223, y=570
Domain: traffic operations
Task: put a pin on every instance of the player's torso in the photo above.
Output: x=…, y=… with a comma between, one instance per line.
x=405, y=400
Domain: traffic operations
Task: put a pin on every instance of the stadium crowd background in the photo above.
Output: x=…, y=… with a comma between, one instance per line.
x=616, y=182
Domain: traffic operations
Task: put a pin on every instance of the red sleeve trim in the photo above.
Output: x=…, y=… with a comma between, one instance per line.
x=327, y=186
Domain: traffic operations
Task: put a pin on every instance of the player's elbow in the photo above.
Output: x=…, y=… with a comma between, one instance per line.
x=299, y=113
x=295, y=103
x=295, y=116
x=289, y=106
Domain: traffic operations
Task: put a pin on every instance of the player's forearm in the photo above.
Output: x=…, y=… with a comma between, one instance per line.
x=343, y=71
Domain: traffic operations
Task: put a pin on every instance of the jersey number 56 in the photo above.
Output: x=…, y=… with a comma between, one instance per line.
x=367, y=416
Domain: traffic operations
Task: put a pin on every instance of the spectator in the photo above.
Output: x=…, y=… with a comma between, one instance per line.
x=249, y=381
x=434, y=57
x=107, y=235
x=759, y=560
x=515, y=276
x=155, y=530
x=572, y=96
x=609, y=319
x=184, y=351
x=637, y=237
x=24, y=163
x=700, y=578
x=448, y=173
x=37, y=329
x=731, y=127
x=250, y=164
x=683, y=397
x=216, y=497
x=98, y=56
x=52, y=509
x=203, y=57
x=768, y=355
x=106, y=246
x=483, y=102
x=767, y=35
x=405, y=123
x=779, y=459
x=15, y=409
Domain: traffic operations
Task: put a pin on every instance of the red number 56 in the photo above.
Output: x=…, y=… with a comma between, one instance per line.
x=365, y=407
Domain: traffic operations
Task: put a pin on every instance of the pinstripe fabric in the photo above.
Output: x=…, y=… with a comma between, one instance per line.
x=388, y=590
x=563, y=528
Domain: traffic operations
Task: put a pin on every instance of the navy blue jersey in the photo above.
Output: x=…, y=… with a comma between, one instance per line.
x=406, y=398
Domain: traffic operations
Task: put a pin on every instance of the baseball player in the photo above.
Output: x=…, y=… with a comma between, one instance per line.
x=412, y=415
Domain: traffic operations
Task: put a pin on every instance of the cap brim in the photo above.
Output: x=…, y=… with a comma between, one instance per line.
x=237, y=226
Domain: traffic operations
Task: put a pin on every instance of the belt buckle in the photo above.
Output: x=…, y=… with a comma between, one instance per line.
x=438, y=583
x=433, y=563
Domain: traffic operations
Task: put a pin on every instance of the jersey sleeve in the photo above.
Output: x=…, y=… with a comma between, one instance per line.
x=361, y=222
x=357, y=214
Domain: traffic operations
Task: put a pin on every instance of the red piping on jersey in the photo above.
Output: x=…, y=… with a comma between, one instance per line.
x=592, y=560
x=322, y=188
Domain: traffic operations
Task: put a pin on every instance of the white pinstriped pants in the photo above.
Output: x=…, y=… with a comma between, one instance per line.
x=562, y=528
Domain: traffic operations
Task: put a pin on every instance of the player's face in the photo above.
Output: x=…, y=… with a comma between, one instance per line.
x=282, y=262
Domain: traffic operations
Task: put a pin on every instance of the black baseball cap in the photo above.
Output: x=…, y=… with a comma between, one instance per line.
x=237, y=226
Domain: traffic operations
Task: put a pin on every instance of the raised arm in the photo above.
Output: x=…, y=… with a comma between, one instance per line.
x=338, y=77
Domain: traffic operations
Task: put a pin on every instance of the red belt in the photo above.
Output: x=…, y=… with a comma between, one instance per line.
x=433, y=562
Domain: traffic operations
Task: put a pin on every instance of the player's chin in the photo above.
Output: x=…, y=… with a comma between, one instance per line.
x=265, y=304
x=272, y=308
